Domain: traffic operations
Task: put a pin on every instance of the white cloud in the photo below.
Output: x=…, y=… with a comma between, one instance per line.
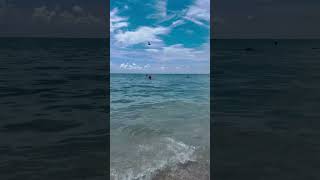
x=88, y=19
x=118, y=25
x=152, y=50
x=175, y=52
x=141, y=35
x=43, y=13
x=199, y=12
x=161, y=10
x=134, y=66
x=179, y=52
x=162, y=14
x=77, y=9
x=159, y=56
x=66, y=17
x=177, y=23
x=163, y=68
x=162, y=59
x=117, y=22
x=76, y=15
x=161, y=6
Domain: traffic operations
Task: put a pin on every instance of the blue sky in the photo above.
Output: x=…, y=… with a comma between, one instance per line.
x=177, y=30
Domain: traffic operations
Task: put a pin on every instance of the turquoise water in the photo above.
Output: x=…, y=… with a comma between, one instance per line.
x=158, y=124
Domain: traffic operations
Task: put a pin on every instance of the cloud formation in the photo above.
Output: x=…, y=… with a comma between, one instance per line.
x=143, y=34
x=161, y=11
x=134, y=66
x=116, y=21
x=76, y=15
x=42, y=13
x=161, y=7
x=179, y=52
x=199, y=12
x=132, y=52
x=53, y=19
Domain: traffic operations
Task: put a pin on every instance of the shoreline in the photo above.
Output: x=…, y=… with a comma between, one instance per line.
x=190, y=170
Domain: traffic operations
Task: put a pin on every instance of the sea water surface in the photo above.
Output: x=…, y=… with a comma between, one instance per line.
x=266, y=104
x=159, y=127
x=53, y=110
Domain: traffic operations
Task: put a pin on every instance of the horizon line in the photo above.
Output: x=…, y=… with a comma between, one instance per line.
x=53, y=37
x=264, y=38
x=211, y=38
x=163, y=73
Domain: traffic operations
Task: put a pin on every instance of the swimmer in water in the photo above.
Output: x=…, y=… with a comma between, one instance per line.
x=150, y=77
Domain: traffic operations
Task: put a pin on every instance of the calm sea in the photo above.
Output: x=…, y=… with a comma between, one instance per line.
x=159, y=127
x=53, y=120
x=266, y=109
x=53, y=109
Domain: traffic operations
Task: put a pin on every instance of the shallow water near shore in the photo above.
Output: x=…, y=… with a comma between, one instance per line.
x=160, y=128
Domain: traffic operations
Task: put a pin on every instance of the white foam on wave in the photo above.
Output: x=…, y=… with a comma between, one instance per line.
x=167, y=152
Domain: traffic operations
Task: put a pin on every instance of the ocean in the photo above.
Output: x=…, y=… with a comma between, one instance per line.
x=265, y=109
x=53, y=108
x=54, y=113
x=160, y=128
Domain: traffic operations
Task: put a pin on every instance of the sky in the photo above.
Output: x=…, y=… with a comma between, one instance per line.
x=178, y=32
x=280, y=19
x=230, y=18
x=54, y=18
